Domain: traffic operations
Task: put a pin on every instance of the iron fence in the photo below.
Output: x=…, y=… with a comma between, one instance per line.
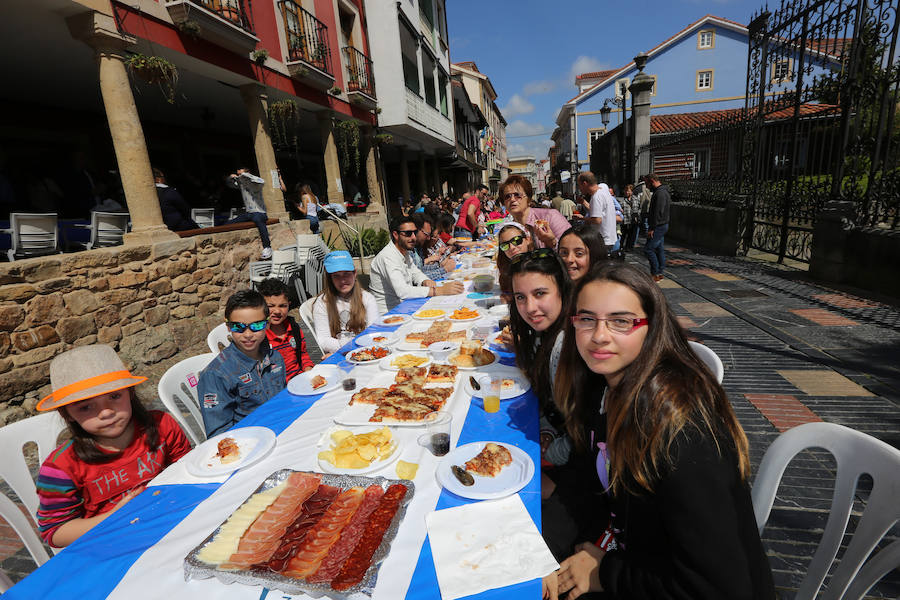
x=232, y=11
x=359, y=70
x=307, y=36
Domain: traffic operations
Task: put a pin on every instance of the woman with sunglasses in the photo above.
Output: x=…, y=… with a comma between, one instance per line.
x=671, y=457
x=512, y=240
x=547, y=223
x=580, y=248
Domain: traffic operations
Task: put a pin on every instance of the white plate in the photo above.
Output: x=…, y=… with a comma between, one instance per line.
x=511, y=479
x=520, y=386
x=253, y=442
x=480, y=316
x=368, y=339
x=449, y=362
x=444, y=314
x=365, y=362
x=499, y=310
x=492, y=341
x=301, y=384
x=327, y=467
x=383, y=324
x=386, y=361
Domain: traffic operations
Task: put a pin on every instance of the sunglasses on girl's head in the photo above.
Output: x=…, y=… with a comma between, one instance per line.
x=504, y=246
x=238, y=327
x=539, y=253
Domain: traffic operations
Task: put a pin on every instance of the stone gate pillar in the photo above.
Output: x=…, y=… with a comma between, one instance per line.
x=640, y=89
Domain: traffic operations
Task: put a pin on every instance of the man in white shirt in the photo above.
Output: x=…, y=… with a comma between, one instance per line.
x=603, y=209
x=251, y=192
x=394, y=276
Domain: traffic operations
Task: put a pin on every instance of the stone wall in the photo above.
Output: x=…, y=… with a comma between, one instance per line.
x=711, y=228
x=147, y=301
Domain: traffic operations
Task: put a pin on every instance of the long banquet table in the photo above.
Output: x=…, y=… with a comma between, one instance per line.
x=138, y=551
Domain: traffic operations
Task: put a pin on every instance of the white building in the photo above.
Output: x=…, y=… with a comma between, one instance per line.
x=411, y=59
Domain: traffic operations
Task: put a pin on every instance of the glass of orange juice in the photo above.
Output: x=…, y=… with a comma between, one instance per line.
x=492, y=395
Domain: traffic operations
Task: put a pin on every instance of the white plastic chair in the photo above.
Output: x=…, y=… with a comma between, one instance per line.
x=710, y=359
x=282, y=266
x=204, y=217
x=219, y=336
x=43, y=430
x=306, y=315
x=107, y=229
x=179, y=384
x=32, y=234
x=855, y=454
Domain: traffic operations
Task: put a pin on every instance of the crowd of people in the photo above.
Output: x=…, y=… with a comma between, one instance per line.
x=644, y=467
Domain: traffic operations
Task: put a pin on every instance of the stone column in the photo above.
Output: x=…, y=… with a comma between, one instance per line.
x=640, y=89
x=332, y=162
x=404, y=175
x=99, y=31
x=423, y=185
x=437, y=175
x=831, y=247
x=373, y=181
x=256, y=102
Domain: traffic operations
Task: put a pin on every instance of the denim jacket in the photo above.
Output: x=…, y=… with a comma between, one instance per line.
x=233, y=385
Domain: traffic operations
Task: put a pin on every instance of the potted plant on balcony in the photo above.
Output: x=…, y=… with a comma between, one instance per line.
x=155, y=70
x=259, y=56
x=319, y=54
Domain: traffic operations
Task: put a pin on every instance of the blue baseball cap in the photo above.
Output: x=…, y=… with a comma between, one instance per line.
x=339, y=260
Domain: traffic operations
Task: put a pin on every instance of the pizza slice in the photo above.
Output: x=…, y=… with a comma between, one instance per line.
x=415, y=337
x=412, y=375
x=457, y=336
x=392, y=410
x=228, y=450
x=368, y=396
x=442, y=373
x=317, y=381
x=490, y=461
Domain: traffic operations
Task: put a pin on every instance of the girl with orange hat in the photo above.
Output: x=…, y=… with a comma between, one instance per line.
x=117, y=445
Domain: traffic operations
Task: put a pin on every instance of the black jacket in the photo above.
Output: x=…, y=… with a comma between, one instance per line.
x=659, y=207
x=176, y=212
x=694, y=537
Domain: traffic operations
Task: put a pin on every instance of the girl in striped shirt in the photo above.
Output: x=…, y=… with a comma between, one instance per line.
x=117, y=445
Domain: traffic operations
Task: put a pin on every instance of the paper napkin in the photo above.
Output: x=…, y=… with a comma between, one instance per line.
x=486, y=545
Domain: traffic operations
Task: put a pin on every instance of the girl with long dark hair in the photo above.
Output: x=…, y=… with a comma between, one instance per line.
x=670, y=453
x=580, y=248
x=343, y=309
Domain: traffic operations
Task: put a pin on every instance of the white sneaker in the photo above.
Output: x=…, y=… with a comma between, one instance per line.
x=266, y=253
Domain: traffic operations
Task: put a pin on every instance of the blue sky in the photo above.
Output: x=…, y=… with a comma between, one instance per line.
x=532, y=49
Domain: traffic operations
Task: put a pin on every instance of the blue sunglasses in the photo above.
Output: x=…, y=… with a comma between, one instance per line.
x=238, y=327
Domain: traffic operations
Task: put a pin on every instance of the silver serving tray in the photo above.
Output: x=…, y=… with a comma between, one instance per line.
x=195, y=568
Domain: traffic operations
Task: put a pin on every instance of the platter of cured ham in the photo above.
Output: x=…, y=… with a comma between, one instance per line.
x=306, y=532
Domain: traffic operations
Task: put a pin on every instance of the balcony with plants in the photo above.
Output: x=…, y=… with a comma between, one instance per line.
x=309, y=57
x=225, y=23
x=360, y=78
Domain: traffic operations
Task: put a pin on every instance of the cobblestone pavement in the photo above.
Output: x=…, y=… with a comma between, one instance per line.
x=794, y=351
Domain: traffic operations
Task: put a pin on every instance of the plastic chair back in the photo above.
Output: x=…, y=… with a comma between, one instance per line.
x=710, y=359
x=32, y=234
x=218, y=338
x=306, y=315
x=204, y=217
x=108, y=228
x=179, y=384
x=855, y=454
x=43, y=430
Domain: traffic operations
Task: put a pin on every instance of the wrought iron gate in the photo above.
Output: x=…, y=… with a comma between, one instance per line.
x=820, y=120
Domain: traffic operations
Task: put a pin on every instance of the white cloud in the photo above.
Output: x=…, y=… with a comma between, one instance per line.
x=536, y=147
x=517, y=105
x=519, y=128
x=516, y=150
x=585, y=64
x=538, y=87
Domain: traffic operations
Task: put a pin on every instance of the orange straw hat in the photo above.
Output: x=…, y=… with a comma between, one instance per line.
x=86, y=372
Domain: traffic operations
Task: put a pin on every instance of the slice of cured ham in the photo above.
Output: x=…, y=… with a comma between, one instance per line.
x=262, y=538
x=293, y=538
x=324, y=534
x=349, y=537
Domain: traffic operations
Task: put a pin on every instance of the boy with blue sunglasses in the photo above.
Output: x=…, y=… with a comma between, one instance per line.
x=247, y=372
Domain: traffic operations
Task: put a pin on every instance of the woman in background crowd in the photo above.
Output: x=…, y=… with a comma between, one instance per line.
x=548, y=225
